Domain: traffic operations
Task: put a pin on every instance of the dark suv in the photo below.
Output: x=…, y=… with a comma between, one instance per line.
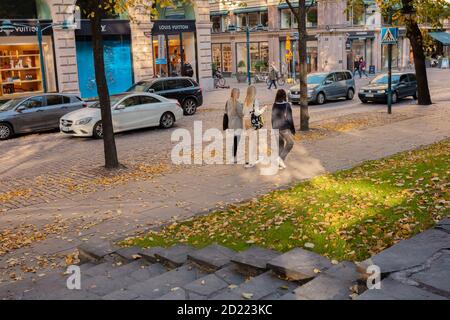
x=184, y=89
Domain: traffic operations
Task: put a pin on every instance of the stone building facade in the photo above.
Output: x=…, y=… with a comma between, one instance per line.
x=336, y=36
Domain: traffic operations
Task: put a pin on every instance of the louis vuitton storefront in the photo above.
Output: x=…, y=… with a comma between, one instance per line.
x=174, y=44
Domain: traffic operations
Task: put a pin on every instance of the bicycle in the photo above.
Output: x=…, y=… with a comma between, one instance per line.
x=219, y=80
x=281, y=81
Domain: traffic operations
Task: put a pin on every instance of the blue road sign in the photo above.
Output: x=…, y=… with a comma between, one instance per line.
x=389, y=35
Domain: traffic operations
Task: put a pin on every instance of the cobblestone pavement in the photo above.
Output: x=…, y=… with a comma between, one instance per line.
x=41, y=168
x=45, y=232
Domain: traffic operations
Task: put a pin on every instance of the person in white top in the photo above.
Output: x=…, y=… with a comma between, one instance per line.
x=251, y=104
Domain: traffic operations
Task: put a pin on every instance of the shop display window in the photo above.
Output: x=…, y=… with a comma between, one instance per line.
x=20, y=70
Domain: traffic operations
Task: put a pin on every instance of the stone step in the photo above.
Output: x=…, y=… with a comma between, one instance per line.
x=162, y=284
x=411, y=252
x=333, y=284
x=299, y=264
x=257, y=288
x=149, y=254
x=175, y=256
x=212, y=257
x=95, y=251
x=129, y=254
x=253, y=261
x=393, y=290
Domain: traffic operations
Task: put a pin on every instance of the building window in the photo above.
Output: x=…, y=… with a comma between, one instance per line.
x=13, y=9
x=362, y=13
x=252, y=19
x=216, y=24
x=259, y=56
x=289, y=21
x=286, y=18
x=222, y=57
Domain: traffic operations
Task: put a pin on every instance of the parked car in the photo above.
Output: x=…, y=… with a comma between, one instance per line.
x=184, y=89
x=323, y=86
x=129, y=111
x=36, y=113
x=403, y=85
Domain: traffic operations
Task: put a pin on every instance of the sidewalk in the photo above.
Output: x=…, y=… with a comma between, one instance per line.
x=45, y=234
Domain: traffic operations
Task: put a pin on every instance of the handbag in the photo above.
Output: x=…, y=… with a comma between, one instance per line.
x=257, y=121
x=225, y=122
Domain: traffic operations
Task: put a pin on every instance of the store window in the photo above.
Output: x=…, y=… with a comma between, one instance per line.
x=259, y=56
x=118, y=68
x=288, y=66
x=222, y=57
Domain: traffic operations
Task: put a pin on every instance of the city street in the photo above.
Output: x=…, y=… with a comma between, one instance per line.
x=52, y=153
x=56, y=195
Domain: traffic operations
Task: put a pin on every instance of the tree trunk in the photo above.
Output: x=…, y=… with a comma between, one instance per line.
x=303, y=72
x=109, y=143
x=416, y=39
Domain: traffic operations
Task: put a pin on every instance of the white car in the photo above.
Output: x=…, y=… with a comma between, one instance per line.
x=129, y=111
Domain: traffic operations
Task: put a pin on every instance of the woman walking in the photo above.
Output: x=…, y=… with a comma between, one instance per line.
x=252, y=109
x=282, y=121
x=362, y=68
x=234, y=111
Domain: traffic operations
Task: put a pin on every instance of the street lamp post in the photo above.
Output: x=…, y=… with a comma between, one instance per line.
x=247, y=29
x=8, y=27
x=389, y=93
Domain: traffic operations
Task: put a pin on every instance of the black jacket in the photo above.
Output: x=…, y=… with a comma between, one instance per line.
x=282, y=117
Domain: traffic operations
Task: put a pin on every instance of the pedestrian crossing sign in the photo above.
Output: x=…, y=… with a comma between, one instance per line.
x=389, y=35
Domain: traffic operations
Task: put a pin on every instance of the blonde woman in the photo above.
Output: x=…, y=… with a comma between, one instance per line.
x=251, y=104
x=235, y=113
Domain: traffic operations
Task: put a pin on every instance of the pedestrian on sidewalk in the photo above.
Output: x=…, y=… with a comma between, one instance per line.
x=356, y=67
x=273, y=76
x=252, y=117
x=282, y=120
x=235, y=112
x=362, y=68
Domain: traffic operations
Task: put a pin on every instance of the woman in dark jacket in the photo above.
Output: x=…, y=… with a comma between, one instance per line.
x=282, y=121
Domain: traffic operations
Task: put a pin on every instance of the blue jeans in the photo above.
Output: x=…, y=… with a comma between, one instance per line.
x=274, y=83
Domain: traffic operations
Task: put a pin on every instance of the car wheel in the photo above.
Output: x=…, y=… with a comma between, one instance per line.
x=6, y=131
x=167, y=120
x=97, y=132
x=363, y=100
x=350, y=94
x=320, y=99
x=394, y=97
x=190, y=107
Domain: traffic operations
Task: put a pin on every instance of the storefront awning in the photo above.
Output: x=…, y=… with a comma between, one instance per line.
x=442, y=37
x=295, y=4
x=248, y=10
x=219, y=13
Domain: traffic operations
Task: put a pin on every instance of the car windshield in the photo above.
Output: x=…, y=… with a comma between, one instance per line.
x=140, y=87
x=113, y=99
x=9, y=105
x=316, y=78
x=383, y=79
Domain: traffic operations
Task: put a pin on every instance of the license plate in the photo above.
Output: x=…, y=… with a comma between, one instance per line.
x=65, y=129
x=369, y=95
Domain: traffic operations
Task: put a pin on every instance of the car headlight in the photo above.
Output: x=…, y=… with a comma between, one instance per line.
x=381, y=91
x=83, y=121
x=361, y=91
